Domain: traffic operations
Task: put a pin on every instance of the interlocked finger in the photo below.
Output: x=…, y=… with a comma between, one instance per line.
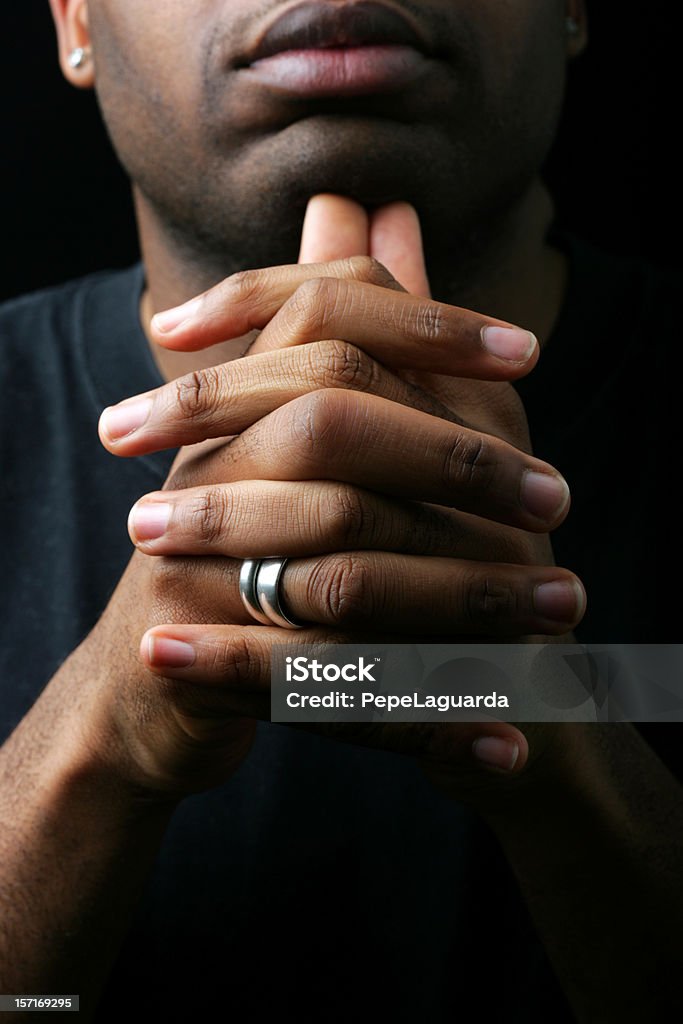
x=392, y=594
x=397, y=451
x=221, y=401
x=261, y=518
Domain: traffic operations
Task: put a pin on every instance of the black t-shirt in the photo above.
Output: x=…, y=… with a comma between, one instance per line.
x=320, y=871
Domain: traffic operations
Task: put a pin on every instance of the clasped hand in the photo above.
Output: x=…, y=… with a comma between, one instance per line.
x=370, y=435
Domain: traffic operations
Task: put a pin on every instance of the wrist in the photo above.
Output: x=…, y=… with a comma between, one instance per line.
x=144, y=734
x=55, y=782
x=72, y=740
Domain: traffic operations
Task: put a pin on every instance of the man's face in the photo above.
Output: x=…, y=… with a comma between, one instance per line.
x=227, y=155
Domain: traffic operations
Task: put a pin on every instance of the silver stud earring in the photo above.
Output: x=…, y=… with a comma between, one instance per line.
x=78, y=57
x=573, y=27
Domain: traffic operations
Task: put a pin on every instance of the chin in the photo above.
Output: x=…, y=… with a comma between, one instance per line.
x=374, y=161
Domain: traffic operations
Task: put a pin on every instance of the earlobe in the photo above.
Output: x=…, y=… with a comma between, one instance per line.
x=73, y=39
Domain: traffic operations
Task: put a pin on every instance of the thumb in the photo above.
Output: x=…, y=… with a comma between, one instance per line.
x=335, y=227
x=396, y=241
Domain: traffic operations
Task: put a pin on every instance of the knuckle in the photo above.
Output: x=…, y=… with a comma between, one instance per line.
x=468, y=462
x=345, y=366
x=369, y=269
x=198, y=393
x=309, y=309
x=346, y=519
x=435, y=531
x=245, y=286
x=430, y=322
x=489, y=601
x=309, y=291
x=209, y=515
x=171, y=582
x=234, y=661
x=341, y=587
x=308, y=301
x=322, y=414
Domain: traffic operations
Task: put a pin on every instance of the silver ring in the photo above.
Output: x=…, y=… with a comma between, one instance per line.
x=267, y=588
x=248, y=574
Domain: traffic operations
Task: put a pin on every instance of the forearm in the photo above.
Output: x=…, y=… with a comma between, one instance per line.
x=76, y=844
x=595, y=837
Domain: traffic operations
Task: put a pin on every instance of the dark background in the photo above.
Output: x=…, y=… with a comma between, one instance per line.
x=65, y=201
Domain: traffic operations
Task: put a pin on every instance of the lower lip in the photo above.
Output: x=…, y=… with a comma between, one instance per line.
x=343, y=71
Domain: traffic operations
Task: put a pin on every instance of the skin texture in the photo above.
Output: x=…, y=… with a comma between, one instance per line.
x=157, y=65
x=227, y=190
x=120, y=734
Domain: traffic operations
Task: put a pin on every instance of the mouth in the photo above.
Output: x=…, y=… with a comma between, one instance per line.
x=319, y=49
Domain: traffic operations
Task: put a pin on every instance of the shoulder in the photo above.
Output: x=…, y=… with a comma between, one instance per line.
x=54, y=311
x=44, y=334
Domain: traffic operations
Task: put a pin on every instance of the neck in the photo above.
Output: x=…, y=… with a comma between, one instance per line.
x=511, y=273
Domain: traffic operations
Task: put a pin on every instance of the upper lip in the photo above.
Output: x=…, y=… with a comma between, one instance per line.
x=317, y=25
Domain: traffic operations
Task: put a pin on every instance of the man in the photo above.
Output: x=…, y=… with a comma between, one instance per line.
x=379, y=445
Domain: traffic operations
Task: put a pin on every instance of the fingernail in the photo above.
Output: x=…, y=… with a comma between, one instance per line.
x=170, y=653
x=559, y=600
x=543, y=494
x=119, y=421
x=496, y=752
x=169, y=319
x=148, y=520
x=511, y=343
